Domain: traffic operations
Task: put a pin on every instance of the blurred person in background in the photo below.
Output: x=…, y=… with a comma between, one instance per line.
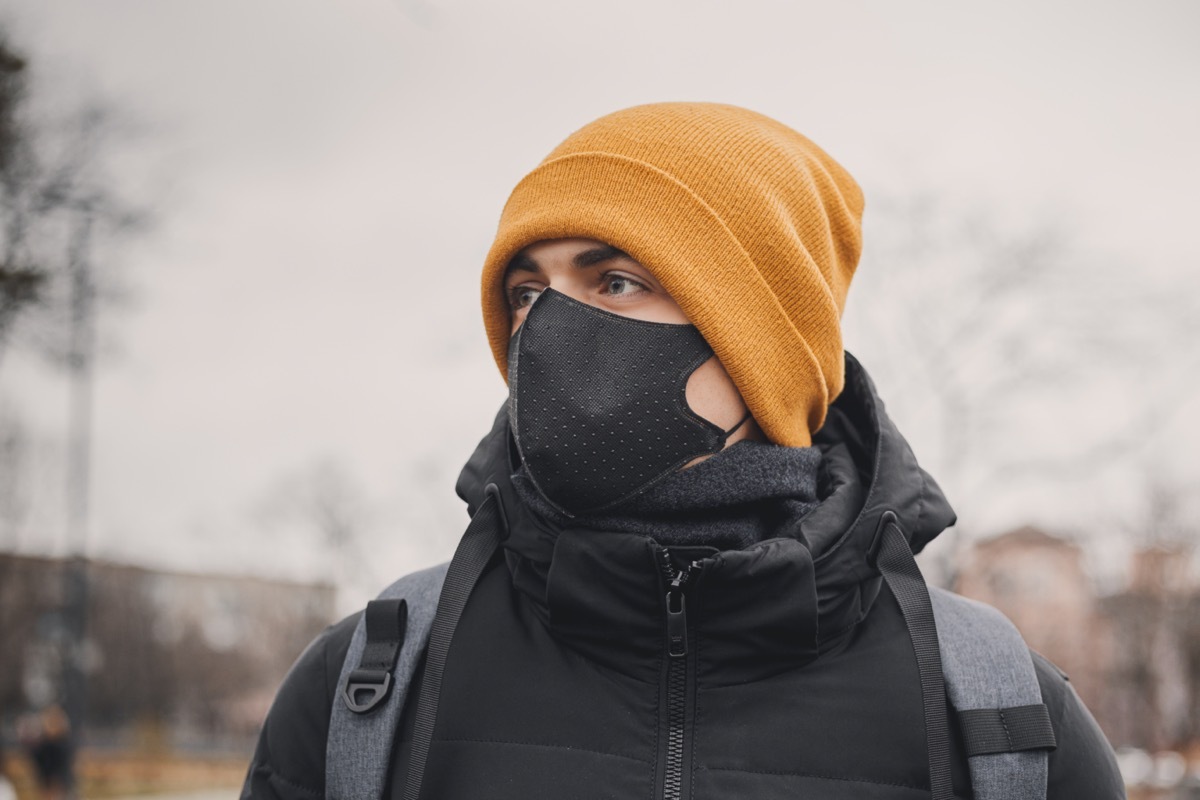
x=46, y=737
x=701, y=512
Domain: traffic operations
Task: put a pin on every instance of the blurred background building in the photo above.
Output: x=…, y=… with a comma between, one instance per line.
x=174, y=664
x=1133, y=654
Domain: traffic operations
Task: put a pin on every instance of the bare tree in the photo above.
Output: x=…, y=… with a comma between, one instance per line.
x=20, y=282
x=975, y=316
x=58, y=199
x=324, y=500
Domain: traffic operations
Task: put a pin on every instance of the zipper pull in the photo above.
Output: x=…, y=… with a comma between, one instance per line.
x=677, y=644
x=676, y=624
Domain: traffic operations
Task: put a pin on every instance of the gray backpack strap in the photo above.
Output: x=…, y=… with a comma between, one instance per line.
x=991, y=682
x=358, y=751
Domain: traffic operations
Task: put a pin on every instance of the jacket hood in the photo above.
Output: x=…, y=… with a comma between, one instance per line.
x=867, y=469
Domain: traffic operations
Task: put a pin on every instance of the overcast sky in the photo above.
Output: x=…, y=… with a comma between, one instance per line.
x=329, y=175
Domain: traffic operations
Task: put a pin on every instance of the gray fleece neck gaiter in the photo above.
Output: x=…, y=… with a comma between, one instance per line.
x=746, y=493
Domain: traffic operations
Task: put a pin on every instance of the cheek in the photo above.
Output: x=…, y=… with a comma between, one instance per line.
x=712, y=394
x=657, y=308
x=515, y=317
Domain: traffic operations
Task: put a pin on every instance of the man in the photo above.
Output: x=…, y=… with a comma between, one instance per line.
x=697, y=495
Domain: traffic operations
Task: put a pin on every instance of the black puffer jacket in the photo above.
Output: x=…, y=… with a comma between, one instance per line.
x=799, y=679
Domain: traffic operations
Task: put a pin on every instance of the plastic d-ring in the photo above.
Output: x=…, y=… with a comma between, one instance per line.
x=377, y=682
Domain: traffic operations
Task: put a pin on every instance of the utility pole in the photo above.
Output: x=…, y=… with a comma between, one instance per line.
x=80, y=364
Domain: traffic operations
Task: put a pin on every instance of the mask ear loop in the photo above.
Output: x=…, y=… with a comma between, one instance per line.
x=725, y=436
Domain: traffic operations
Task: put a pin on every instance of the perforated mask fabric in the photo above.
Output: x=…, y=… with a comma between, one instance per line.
x=597, y=402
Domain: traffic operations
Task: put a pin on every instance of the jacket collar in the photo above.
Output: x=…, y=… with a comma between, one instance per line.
x=788, y=598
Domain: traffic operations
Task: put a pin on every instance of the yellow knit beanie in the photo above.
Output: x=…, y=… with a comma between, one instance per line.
x=752, y=229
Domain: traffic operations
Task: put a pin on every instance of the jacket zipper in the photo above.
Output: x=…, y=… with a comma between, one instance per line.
x=677, y=672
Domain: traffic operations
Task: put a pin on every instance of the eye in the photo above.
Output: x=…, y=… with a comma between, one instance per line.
x=619, y=285
x=522, y=295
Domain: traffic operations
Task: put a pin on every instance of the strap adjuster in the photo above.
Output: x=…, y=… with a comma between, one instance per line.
x=1007, y=730
x=386, y=625
x=377, y=682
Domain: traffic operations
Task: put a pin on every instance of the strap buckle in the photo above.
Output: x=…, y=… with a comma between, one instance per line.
x=376, y=681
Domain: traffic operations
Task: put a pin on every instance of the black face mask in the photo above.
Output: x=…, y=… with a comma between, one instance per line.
x=597, y=402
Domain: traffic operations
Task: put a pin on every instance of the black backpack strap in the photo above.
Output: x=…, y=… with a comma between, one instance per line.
x=474, y=552
x=971, y=652
x=899, y=568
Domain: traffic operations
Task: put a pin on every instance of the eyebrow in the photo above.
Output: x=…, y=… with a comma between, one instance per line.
x=581, y=260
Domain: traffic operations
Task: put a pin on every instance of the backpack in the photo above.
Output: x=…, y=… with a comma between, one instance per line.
x=965, y=649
